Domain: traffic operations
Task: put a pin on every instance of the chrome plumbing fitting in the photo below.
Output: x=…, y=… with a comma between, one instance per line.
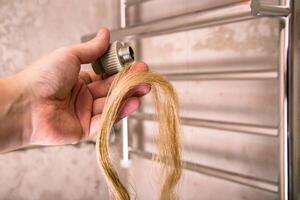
x=118, y=55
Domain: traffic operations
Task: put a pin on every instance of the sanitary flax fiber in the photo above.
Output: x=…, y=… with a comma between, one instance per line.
x=169, y=154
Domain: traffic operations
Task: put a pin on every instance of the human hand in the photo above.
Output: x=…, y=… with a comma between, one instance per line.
x=66, y=104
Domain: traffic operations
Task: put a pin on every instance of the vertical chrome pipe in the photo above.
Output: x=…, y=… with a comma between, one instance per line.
x=123, y=13
x=294, y=102
x=283, y=134
x=125, y=157
x=283, y=106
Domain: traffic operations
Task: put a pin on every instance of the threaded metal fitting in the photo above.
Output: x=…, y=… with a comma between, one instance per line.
x=117, y=56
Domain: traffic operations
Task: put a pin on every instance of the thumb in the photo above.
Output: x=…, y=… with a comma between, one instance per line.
x=89, y=51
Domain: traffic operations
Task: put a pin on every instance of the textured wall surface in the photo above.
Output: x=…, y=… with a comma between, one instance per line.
x=28, y=30
x=51, y=173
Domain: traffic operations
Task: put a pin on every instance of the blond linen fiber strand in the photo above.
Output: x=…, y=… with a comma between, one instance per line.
x=168, y=141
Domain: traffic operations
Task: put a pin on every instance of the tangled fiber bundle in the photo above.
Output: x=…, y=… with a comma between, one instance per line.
x=166, y=103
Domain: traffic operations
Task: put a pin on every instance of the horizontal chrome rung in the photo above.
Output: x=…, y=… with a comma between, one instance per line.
x=199, y=19
x=223, y=75
x=221, y=174
x=257, y=8
x=219, y=125
x=135, y=2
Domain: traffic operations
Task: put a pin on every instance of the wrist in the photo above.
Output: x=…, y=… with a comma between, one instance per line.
x=15, y=112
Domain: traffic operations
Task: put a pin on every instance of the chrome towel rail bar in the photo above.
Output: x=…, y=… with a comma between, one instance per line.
x=223, y=75
x=135, y=2
x=199, y=19
x=231, y=13
x=221, y=174
x=220, y=125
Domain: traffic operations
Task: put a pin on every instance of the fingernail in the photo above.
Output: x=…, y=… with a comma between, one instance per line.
x=101, y=32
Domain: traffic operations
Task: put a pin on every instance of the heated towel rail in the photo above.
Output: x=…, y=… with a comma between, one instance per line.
x=288, y=74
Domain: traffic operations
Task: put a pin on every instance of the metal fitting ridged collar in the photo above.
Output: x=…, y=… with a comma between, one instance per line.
x=117, y=56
